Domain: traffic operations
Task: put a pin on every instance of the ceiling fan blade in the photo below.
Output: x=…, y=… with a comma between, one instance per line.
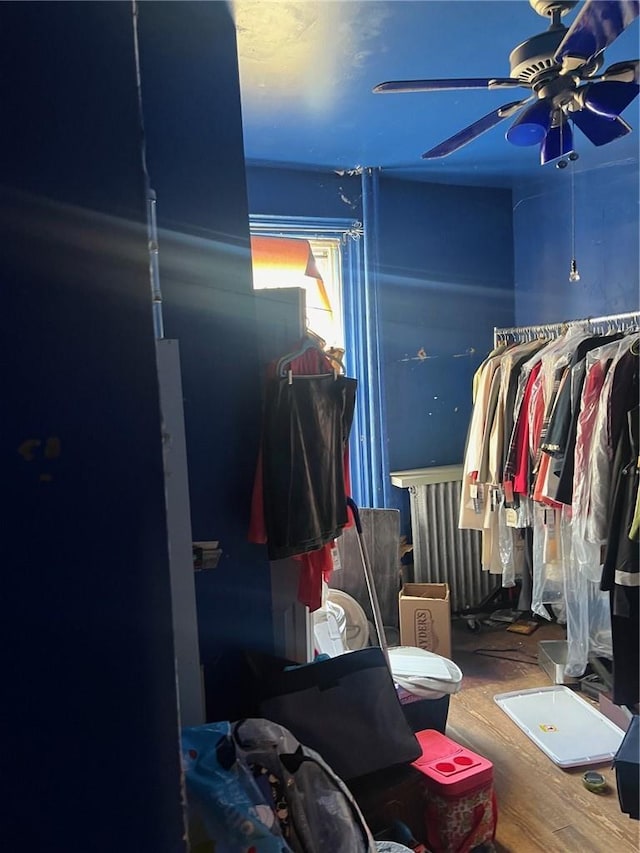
x=609, y=98
x=600, y=130
x=448, y=85
x=468, y=134
x=598, y=24
x=624, y=72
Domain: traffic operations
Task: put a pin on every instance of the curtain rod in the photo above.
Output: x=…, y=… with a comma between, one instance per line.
x=548, y=327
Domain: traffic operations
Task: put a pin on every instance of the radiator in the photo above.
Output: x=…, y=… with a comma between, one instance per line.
x=441, y=552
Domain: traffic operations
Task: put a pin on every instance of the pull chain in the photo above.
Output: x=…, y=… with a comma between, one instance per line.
x=574, y=275
x=562, y=163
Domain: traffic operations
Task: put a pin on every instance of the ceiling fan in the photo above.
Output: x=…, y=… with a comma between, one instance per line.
x=561, y=67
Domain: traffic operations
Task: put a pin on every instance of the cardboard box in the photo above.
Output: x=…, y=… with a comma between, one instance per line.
x=425, y=617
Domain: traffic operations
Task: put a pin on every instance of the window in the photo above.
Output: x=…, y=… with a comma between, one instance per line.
x=312, y=264
x=336, y=247
x=329, y=326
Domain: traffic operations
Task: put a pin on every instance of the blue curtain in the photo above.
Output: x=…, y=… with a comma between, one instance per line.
x=370, y=431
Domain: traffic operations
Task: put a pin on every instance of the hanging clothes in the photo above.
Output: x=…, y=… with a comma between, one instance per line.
x=306, y=425
x=549, y=463
x=621, y=570
x=302, y=478
x=598, y=364
x=619, y=394
x=560, y=439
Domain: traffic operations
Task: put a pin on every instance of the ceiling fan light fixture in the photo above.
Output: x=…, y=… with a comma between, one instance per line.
x=532, y=125
x=609, y=98
x=557, y=143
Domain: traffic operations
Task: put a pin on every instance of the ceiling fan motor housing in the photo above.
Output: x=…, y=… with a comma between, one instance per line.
x=535, y=55
x=533, y=63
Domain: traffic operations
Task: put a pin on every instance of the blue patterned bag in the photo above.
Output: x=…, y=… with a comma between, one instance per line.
x=224, y=796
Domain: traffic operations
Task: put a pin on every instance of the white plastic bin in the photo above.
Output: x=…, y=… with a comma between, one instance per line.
x=424, y=673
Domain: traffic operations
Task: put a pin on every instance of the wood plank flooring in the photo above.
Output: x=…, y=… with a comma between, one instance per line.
x=540, y=806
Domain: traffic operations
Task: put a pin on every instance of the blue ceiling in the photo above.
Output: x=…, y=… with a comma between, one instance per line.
x=307, y=69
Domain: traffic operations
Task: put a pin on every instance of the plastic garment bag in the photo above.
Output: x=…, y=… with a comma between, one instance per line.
x=588, y=613
x=601, y=453
x=507, y=550
x=511, y=541
x=587, y=608
x=548, y=568
x=491, y=549
x=587, y=554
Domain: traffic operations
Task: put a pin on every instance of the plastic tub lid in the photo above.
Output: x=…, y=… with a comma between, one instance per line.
x=424, y=673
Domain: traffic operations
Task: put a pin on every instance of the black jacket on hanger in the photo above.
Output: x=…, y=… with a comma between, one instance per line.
x=306, y=426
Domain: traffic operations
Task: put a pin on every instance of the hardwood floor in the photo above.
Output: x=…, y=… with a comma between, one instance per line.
x=540, y=806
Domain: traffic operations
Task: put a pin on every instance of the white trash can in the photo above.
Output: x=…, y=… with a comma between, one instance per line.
x=425, y=682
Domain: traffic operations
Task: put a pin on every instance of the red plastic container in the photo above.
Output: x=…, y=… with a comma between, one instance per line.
x=461, y=806
x=450, y=768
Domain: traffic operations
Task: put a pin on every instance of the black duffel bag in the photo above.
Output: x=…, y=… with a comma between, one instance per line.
x=346, y=708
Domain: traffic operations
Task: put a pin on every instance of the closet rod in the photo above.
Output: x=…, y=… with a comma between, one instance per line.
x=548, y=327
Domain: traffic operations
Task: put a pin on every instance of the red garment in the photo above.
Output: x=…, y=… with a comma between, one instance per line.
x=539, y=485
x=314, y=565
x=521, y=478
x=587, y=416
x=318, y=565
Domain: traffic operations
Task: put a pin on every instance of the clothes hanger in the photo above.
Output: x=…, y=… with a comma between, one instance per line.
x=313, y=336
x=310, y=341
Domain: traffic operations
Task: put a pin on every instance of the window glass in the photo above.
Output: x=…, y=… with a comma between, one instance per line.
x=285, y=262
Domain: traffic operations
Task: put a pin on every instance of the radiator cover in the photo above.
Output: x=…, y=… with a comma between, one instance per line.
x=441, y=552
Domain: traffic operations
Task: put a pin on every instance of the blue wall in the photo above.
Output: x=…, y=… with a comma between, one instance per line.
x=195, y=162
x=607, y=251
x=298, y=192
x=446, y=278
x=89, y=671
x=444, y=274
x=90, y=731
